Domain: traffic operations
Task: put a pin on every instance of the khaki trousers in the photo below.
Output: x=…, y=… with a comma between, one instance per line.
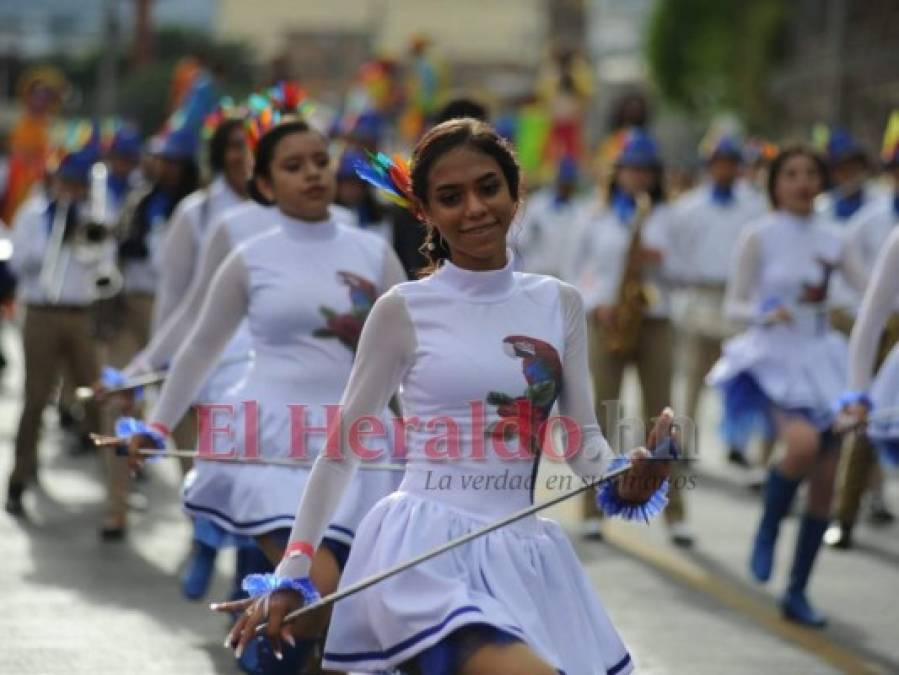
x=132, y=332
x=56, y=339
x=859, y=462
x=653, y=360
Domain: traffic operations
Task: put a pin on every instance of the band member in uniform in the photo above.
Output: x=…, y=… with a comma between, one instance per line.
x=869, y=231
x=789, y=365
x=142, y=226
x=57, y=283
x=626, y=272
x=543, y=235
x=708, y=221
x=474, y=330
x=304, y=286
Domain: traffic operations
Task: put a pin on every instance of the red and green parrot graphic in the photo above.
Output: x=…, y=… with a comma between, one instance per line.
x=542, y=369
x=347, y=327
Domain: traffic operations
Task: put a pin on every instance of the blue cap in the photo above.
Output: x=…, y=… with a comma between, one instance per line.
x=126, y=143
x=842, y=146
x=76, y=166
x=369, y=126
x=181, y=144
x=567, y=171
x=726, y=147
x=639, y=150
x=348, y=160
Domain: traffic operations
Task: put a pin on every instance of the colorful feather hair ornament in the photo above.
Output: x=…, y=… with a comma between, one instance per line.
x=226, y=109
x=259, y=123
x=390, y=176
x=291, y=99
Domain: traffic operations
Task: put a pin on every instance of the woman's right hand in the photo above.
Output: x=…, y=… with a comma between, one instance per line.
x=778, y=315
x=137, y=443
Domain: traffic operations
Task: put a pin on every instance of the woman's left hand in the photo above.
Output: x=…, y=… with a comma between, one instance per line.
x=269, y=609
x=647, y=473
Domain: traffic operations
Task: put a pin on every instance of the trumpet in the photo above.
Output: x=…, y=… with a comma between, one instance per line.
x=94, y=241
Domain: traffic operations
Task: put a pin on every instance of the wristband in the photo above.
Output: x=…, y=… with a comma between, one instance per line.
x=296, y=548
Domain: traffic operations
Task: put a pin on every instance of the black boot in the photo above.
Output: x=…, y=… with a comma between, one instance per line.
x=779, y=494
x=839, y=536
x=14, y=494
x=795, y=605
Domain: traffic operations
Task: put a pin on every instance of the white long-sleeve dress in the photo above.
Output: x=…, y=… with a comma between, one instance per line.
x=304, y=290
x=798, y=366
x=465, y=346
x=881, y=299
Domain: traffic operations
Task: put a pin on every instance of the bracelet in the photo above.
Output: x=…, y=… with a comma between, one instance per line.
x=296, y=548
x=263, y=584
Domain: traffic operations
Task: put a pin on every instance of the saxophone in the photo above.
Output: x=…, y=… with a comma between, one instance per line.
x=633, y=298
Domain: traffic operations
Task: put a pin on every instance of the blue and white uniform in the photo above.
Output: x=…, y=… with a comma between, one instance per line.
x=304, y=290
x=455, y=342
x=782, y=261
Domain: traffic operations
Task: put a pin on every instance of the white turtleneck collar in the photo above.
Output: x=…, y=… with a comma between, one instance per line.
x=481, y=285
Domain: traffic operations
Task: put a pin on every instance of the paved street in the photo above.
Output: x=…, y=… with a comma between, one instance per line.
x=76, y=605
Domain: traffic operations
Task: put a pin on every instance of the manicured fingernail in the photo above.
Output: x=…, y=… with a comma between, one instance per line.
x=238, y=651
x=289, y=640
x=668, y=411
x=279, y=655
x=214, y=606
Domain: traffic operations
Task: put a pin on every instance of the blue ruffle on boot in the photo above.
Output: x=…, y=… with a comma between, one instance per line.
x=779, y=494
x=795, y=605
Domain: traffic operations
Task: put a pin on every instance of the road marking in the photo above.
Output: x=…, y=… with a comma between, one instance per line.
x=689, y=573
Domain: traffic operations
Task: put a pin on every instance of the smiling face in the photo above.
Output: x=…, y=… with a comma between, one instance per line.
x=798, y=182
x=300, y=178
x=469, y=202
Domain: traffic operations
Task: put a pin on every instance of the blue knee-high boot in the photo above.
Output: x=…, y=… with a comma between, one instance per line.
x=779, y=494
x=794, y=604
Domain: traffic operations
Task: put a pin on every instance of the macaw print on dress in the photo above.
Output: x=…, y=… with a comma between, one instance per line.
x=348, y=327
x=542, y=369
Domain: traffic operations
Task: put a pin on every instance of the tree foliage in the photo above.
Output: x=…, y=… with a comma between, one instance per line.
x=143, y=93
x=706, y=56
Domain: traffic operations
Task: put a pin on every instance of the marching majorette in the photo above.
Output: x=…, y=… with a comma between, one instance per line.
x=473, y=333
x=707, y=224
x=304, y=287
x=870, y=230
x=789, y=366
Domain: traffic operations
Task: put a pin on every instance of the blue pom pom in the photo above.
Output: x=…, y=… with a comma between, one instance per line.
x=112, y=378
x=257, y=585
x=889, y=450
x=608, y=501
x=747, y=410
x=126, y=427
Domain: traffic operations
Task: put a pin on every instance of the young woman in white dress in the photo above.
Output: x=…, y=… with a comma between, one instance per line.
x=304, y=286
x=789, y=365
x=474, y=335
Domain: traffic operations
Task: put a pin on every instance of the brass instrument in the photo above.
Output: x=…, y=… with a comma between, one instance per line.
x=94, y=242
x=633, y=297
x=51, y=275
